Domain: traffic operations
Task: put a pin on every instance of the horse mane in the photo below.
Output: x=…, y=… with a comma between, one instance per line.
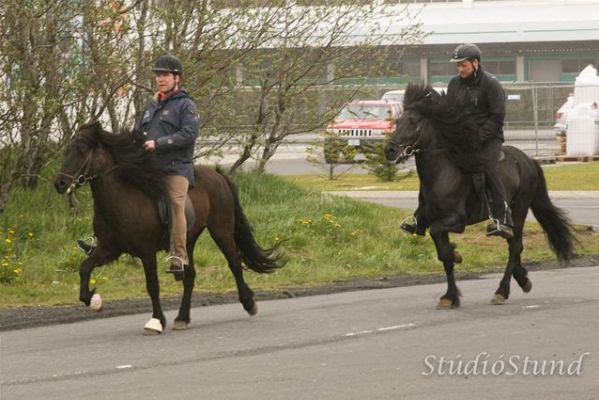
x=456, y=129
x=136, y=166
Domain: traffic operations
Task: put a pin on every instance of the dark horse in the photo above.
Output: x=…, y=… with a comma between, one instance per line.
x=127, y=184
x=444, y=141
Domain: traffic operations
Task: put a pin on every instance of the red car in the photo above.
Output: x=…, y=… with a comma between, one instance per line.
x=358, y=126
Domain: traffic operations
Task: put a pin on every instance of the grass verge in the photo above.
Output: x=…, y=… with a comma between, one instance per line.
x=326, y=239
x=563, y=176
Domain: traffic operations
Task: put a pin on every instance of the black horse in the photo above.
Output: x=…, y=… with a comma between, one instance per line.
x=444, y=141
x=127, y=186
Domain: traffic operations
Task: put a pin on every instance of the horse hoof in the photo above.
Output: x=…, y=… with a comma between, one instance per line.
x=254, y=310
x=457, y=257
x=179, y=325
x=445, y=304
x=153, y=327
x=96, y=302
x=527, y=287
x=498, y=300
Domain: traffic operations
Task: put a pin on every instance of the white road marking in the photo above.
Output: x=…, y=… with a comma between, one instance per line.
x=124, y=366
x=382, y=329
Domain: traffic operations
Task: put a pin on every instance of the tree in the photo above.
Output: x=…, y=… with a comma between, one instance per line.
x=35, y=36
x=295, y=80
x=260, y=70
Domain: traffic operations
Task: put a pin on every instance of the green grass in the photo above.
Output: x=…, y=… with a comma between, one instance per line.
x=326, y=239
x=581, y=176
x=559, y=177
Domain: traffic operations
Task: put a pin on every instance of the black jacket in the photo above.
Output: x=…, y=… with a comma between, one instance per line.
x=485, y=99
x=173, y=123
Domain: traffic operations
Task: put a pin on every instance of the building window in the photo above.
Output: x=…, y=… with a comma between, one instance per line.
x=575, y=65
x=442, y=68
x=502, y=67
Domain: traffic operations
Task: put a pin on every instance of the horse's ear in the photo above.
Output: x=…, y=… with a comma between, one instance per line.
x=90, y=130
x=92, y=125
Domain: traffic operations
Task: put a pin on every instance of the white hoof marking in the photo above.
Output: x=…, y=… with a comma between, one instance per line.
x=153, y=327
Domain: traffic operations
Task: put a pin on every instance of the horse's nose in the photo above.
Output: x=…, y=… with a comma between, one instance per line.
x=60, y=185
x=391, y=151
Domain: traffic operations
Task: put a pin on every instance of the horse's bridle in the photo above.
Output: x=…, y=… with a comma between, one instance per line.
x=411, y=149
x=82, y=175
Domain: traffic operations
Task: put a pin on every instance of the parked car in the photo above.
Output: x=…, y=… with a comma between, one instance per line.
x=357, y=127
x=561, y=117
x=394, y=95
x=398, y=95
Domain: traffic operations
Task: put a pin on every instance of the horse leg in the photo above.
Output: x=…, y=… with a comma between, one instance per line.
x=446, y=254
x=183, y=318
x=226, y=243
x=513, y=267
x=155, y=325
x=99, y=257
x=85, y=271
x=520, y=273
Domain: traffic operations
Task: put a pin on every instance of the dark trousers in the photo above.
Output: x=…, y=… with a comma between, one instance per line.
x=489, y=158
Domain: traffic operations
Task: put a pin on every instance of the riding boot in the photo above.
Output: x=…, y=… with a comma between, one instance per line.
x=502, y=224
x=88, y=249
x=416, y=225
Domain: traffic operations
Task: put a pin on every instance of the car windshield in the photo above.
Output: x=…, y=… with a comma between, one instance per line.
x=360, y=111
x=394, y=96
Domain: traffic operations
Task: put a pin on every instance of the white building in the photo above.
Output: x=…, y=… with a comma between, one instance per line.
x=523, y=40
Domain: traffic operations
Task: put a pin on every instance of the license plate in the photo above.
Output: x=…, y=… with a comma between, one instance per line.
x=353, y=142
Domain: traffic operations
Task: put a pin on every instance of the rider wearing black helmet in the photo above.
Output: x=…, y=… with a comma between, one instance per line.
x=485, y=101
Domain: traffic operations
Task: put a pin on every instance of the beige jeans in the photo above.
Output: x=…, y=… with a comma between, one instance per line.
x=176, y=187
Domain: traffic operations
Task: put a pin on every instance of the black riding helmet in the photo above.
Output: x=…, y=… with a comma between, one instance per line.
x=466, y=51
x=168, y=63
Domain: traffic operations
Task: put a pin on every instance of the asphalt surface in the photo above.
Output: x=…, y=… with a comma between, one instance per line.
x=582, y=207
x=372, y=344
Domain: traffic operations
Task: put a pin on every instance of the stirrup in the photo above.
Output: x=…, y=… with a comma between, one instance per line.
x=175, y=264
x=496, y=228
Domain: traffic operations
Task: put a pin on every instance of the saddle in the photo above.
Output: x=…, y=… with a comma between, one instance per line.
x=165, y=214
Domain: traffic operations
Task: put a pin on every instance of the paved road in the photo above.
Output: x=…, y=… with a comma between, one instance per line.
x=581, y=207
x=377, y=344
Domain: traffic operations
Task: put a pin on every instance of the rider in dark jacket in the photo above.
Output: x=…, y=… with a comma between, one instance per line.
x=485, y=101
x=170, y=125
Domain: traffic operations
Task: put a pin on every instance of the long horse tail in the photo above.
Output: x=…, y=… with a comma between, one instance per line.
x=252, y=255
x=553, y=220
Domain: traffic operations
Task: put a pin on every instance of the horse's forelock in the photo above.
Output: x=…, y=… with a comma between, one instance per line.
x=89, y=132
x=416, y=92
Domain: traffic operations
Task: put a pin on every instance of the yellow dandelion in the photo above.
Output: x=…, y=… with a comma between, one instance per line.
x=30, y=234
x=7, y=241
x=92, y=281
x=5, y=264
x=11, y=231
